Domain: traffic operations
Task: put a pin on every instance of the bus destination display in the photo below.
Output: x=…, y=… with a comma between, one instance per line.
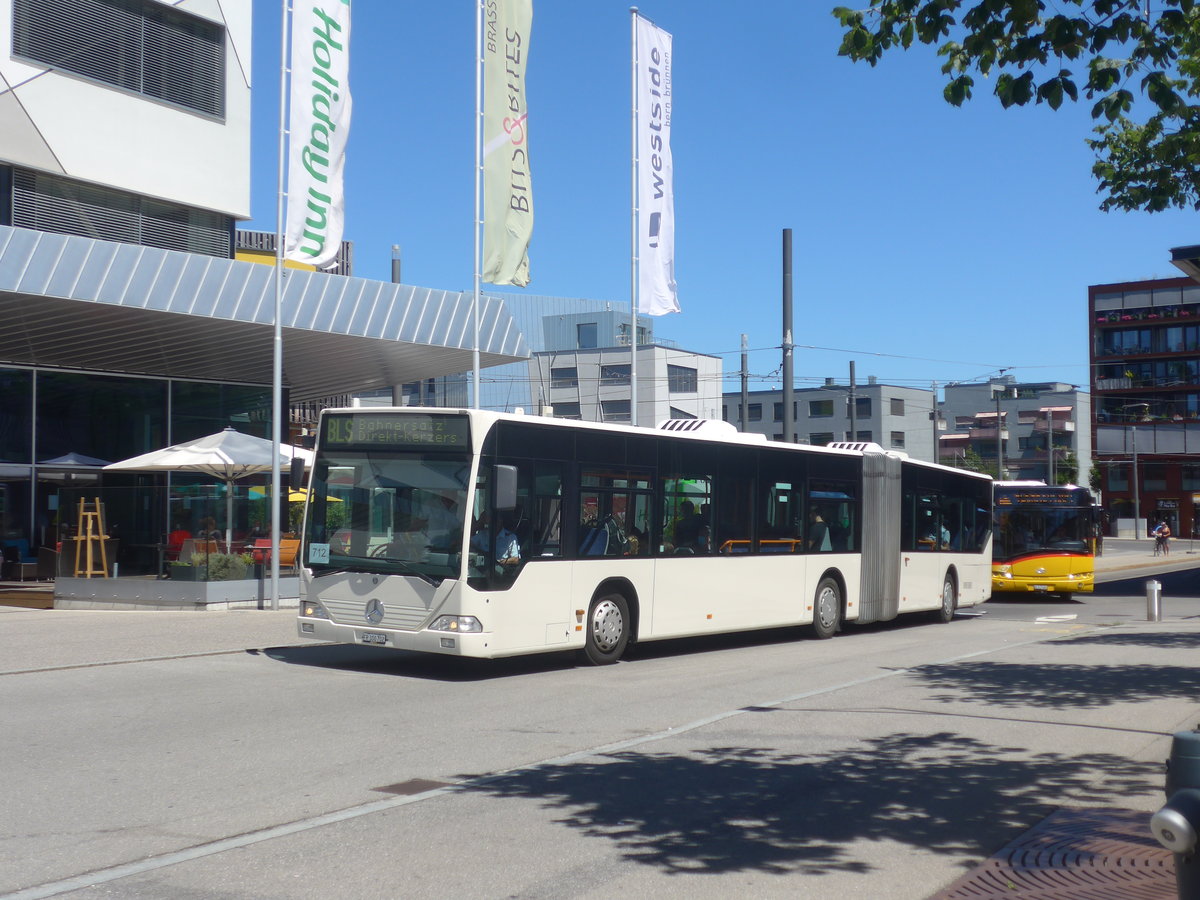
x=1035, y=497
x=391, y=430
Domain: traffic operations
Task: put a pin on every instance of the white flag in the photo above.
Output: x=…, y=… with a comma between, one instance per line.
x=507, y=191
x=319, y=122
x=656, y=196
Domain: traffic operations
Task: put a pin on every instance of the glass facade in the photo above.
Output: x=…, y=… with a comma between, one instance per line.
x=58, y=428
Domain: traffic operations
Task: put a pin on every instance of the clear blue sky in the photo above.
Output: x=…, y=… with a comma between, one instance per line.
x=930, y=243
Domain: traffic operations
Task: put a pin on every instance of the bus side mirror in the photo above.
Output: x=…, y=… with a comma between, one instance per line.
x=506, y=487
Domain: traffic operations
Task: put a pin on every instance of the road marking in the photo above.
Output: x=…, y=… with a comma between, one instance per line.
x=1043, y=620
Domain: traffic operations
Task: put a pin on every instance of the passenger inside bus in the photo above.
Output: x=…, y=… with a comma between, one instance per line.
x=818, y=532
x=688, y=530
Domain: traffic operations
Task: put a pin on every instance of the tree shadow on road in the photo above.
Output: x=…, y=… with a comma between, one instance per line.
x=1058, y=686
x=1185, y=640
x=734, y=809
x=1183, y=583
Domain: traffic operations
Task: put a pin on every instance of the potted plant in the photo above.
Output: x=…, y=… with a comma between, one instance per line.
x=193, y=570
x=228, y=566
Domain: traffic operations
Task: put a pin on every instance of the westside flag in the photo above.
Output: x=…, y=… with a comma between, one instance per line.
x=319, y=125
x=656, y=195
x=507, y=196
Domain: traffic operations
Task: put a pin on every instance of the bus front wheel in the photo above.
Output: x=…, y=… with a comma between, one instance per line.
x=945, y=612
x=607, y=629
x=827, y=609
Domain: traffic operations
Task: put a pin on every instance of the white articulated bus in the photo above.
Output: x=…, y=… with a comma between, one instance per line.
x=486, y=534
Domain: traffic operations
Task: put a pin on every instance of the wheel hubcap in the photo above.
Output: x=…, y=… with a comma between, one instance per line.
x=827, y=608
x=607, y=625
x=948, y=597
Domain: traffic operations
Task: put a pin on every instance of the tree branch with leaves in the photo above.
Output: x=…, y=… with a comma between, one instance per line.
x=1140, y=69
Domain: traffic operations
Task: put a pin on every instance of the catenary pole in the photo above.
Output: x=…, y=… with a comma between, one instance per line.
x=745, y=414
x=789, y=413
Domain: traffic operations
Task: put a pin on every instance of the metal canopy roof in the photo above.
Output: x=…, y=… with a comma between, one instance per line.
x=81, y=303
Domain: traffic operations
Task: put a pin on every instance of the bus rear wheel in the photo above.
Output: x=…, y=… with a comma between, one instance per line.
x=607, y=629
x=827, y=609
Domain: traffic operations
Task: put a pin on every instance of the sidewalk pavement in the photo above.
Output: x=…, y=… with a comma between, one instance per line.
x=1125, y=553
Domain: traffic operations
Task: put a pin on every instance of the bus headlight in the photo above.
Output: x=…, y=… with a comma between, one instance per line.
x=464, y=624
x=311, y=609
x=1005, y=571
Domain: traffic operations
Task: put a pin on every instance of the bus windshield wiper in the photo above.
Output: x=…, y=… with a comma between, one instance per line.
x=408, y=569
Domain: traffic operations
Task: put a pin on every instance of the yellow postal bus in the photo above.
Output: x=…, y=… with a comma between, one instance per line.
x=1043, y=538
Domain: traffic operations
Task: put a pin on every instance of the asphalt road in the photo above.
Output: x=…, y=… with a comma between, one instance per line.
x=208, y=755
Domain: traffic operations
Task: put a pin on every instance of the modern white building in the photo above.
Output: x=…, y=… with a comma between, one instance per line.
x=130, y=322
x=898, y=418
x=595, y=384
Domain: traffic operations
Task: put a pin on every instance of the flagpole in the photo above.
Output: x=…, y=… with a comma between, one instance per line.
x=277, y=343
x=633, y=227
x=478, y=263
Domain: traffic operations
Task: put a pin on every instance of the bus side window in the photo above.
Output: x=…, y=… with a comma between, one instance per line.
x=543, y=528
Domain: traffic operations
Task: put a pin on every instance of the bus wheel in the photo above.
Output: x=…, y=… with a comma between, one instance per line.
x=945, y=612
x=827, y=609
x=607, y=630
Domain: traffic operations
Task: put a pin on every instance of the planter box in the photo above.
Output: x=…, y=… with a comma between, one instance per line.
x=188, y=573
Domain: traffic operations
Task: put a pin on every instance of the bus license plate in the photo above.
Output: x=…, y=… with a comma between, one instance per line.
x=373, y=637
x=1036, y=587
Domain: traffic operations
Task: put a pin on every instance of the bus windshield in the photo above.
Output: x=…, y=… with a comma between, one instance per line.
x=388, y=512
x=1035, y=530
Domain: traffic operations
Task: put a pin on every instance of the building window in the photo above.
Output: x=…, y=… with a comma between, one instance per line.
x=820, y=438
x=898, y=437
x=755, y=412
x=897, y=404
x=564, y=377
x=567, y=411
x=615, y=374
x=142, y=46
x=778, y=412
x=1118, y=477
x=586, y=335
x=1190, y=476
x=681, y=380
x=614, y=410
x=864, y=436
x=820, y=409
x=677, y=413
x=1154, y=477
x=59, y=205
x=623, y=334
x=862, y=407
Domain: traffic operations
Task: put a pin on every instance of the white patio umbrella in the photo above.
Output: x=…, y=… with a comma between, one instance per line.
x=227, y=455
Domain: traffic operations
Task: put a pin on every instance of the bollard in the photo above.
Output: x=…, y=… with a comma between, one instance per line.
x=1153, y=601
x=1176, y=824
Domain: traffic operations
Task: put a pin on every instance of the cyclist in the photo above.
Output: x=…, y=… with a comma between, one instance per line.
x=1162, y=538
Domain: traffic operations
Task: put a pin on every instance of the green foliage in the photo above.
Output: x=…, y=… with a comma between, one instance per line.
x=228, y=566
x=1110, y=51
x=1066, y=470
x=973, y=462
